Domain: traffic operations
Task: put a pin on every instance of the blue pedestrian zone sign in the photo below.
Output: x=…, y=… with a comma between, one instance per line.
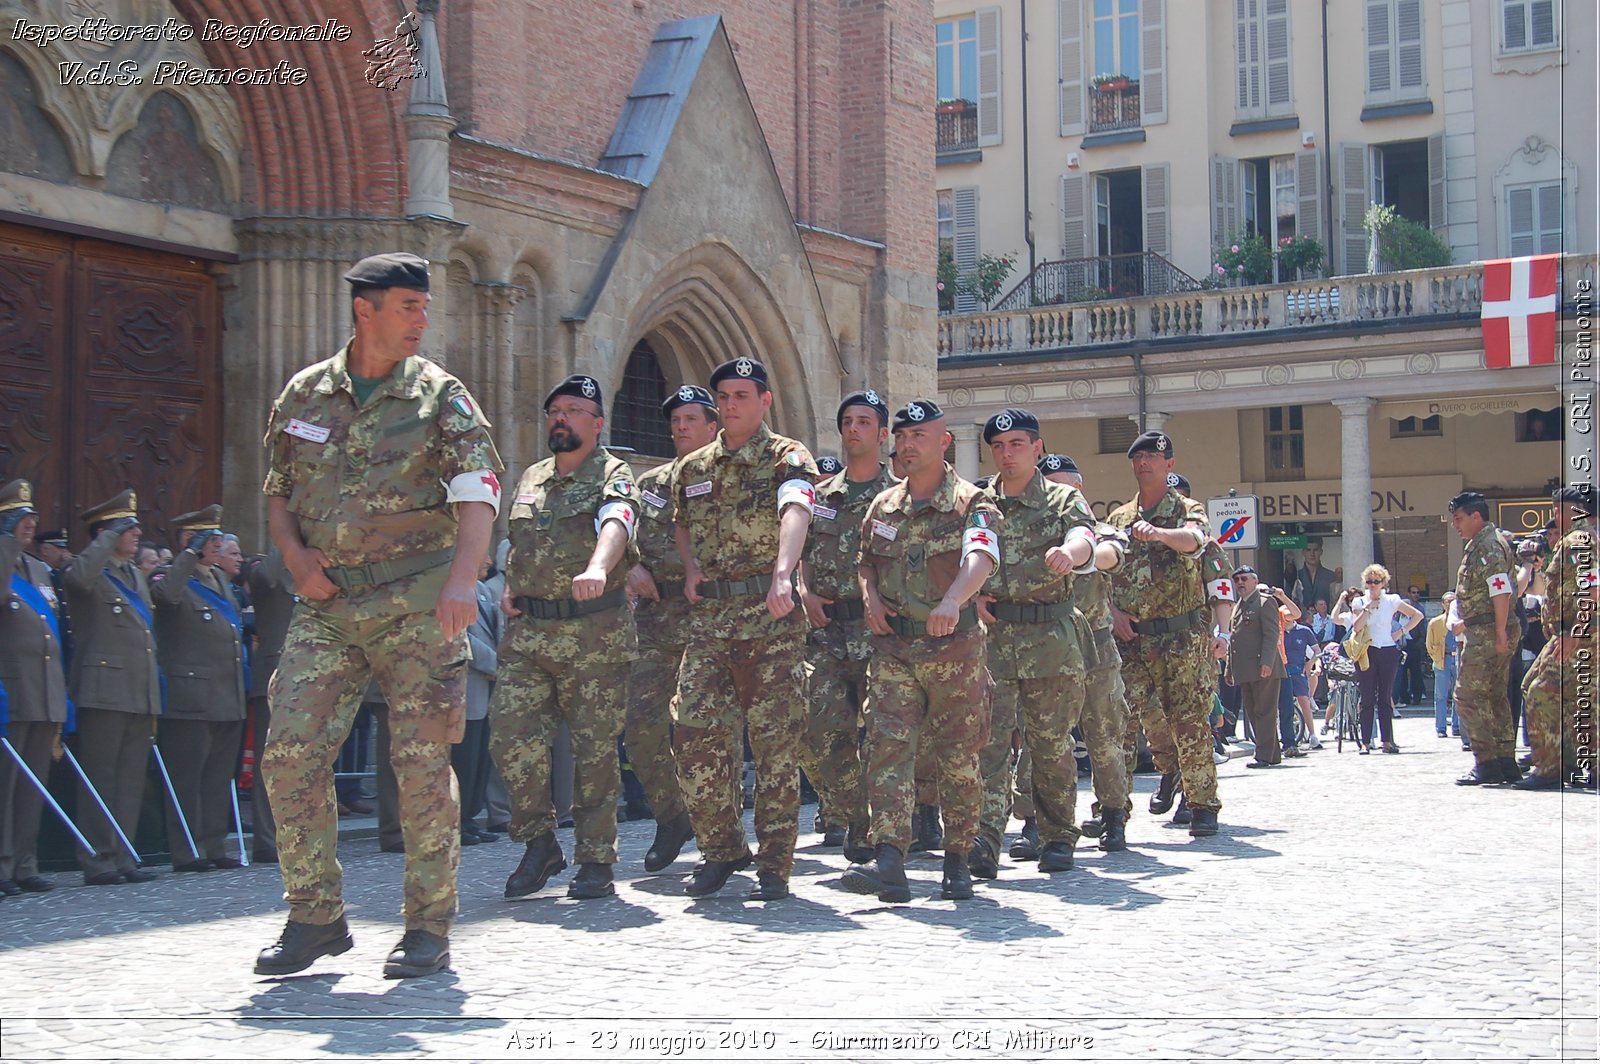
x=1235, y=520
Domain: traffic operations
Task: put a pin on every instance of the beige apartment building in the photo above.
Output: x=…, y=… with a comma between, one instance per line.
x=1119, y=149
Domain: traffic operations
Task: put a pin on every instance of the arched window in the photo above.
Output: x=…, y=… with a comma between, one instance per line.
x=636, y=418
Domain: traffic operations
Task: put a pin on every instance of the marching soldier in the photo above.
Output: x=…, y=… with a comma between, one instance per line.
x=114, y=683
x=572, y=528
x=662, y=616
x=200, y=645
x=743, y=504
x=35, y=683
x=381, y=494
x=928, y=544
x=831, y=594
x=1484, y=590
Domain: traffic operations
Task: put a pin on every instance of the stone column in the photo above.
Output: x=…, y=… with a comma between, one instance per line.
x=967, y=455
x=428, y=127
x=499, y=398
x=1355, y=464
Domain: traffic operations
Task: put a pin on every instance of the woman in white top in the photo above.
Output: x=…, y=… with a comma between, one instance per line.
x=1374, y=613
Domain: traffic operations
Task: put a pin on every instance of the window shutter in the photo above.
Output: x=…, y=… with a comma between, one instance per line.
x=1513, y=19
x=1074, y=216
x=1380, y=59
x=967, y=247
x=1224, y=200
x=989, y=119
x=1519, y=206
x=1308, y=190
x=1069, y=78
x=1437, y=217
x=1408, y=46
x=1552, y=225
x=1280, y=87
x=1246, y=57
x=1353, y=198
x=1157, y=208
x=1153, y=58
x=1542, y=23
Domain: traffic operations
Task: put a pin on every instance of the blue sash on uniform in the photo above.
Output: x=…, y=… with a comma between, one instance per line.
x=135, y=599
x=221, y=604
x=35, y=600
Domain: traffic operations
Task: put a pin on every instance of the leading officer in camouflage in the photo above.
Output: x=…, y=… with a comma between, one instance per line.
x=1164, y=633
x=742, y=507
x=382, y=491
x=1485, y=586
x=927, y=545
x=566, y=651
x=837, y=690
x=661, y=615
x=200, y=644
x=1034, y=650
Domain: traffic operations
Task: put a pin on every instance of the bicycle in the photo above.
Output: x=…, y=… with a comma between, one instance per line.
x=1346, y=698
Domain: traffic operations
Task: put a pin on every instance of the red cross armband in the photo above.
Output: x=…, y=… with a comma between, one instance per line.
x=1220, y=589
x=797, y=493
x=617, y=510
x=978, y=540
x=1500, y=584
x=480, y=485
x=1088, y=535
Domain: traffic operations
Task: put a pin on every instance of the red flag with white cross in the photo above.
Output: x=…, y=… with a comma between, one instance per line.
x=1519, y=311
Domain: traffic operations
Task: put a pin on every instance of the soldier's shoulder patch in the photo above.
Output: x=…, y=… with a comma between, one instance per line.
x=981, y=519
x=795, y=458
x=620, y=486
x=462, y=404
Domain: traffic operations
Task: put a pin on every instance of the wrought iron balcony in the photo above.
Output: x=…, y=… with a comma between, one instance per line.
x=957, y=127
x=1113, y=108
x=1140, y=273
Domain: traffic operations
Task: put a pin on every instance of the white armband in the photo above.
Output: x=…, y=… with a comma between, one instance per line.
x=980, y=540
x=481, y=485
x=1086, y=534
x=1220, y=589
x=620, y=511
x=1500, y=584
x=797, y=493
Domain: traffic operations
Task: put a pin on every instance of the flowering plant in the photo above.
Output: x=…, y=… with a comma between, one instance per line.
x=1302, y=253
x=1246, y=260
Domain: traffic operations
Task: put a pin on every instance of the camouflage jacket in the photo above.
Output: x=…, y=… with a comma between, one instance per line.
x=553, y=524
x=728, y=502
x=1035, y=521
x=1484, y=560
x=913, y=555
x=1572, y=579
x=666, y=620
x=1156, y=581
x=368, y=482
x=835, y=539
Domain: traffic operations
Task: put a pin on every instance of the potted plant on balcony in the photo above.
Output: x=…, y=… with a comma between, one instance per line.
x=986, y=279
x=1109, y=83
x=1299, y=256
x=948, y=106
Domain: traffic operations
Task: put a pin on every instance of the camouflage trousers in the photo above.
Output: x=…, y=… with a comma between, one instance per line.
x=328, y=658
x=936, y=710
x=1103, y=723
x=1044, y=711
x=546, y=679
x=648, y=731
x=831, y=754
x=1482, y=695
x=1169, y=681
x=1555, y=694
x=728, y=687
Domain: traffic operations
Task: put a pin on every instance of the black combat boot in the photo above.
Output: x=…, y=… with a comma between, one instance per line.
x=1204, y=823
x=671, y=837
x=982, y=859
x=1491, y=771
x=1509, y=769
x=592, y=881
x=1115, y=835
x=856, y=850
x=957, y=882
x=541, y=860
x=1056, y=856
x=1183, y=814
x=1026, y=848
x=884, y=875
x=926, y=831
x=1161, y=800
x=301, y=944
x=709, y=876
x=417, y=953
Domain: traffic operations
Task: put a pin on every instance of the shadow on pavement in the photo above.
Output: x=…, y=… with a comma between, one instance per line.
x=360, y=1024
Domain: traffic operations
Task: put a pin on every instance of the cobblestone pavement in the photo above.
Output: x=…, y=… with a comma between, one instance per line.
x=1353, y=908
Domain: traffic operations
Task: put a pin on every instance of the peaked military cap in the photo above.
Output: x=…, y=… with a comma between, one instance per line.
x=581, y=385
x=56, y=537
x=1245, y=570
x=867, y=398
x=1057, y=463
x=1011, y=419
x=688, y=395
x=1578, y=496
x=124, y=504
x=1159, y=442
x=199, y=520
x=17, y=495
x=392, y=269
x=828, y=465
x=746, y=369
x=916, y=412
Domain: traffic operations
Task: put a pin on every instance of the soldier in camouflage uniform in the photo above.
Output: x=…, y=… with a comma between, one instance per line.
x=1559, y=686
x=831, y=593
x=1105, y=710
x=927, y=545
x=1163, y=632
x=1034, y=652
x=572, y=525
x=661, y=614
x=1485, y=588
x=382, y=491
x=742, y=506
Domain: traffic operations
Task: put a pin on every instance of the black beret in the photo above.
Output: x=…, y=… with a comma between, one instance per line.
x=1010, y=419
x=1578, y=496
x=747, y=369
x=56, y=537
x=581, y=385
x=1468, y=499
x=828, y=465
x=392, y=269
x=983, y=482
x=1159, y=442
x=867, y=398
x=916, y=412
x=1057, y=463
x=688, y=395
x=1181, y=482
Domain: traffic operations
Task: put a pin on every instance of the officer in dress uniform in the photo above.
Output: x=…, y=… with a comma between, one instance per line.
x=382, y=490
x=114, y=682
x=35, y=683
x=200, y=645
x=569, y=642
x=50, y=547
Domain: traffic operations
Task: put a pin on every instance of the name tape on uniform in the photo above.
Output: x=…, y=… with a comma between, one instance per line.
x=702, y=488
x=887, y=531
x=653, y=499
x=827, y=513
x=528, y=499
x=307, y=431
